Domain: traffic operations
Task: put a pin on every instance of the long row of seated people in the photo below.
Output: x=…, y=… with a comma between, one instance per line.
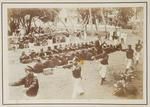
x=37, y=41
x=61, y=56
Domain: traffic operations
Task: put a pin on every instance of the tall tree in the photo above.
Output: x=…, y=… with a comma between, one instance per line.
x=25, y=16
x=90, y=15
x=124, y=15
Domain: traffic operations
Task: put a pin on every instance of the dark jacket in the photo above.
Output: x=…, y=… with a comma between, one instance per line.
x=30, y=82
x=38, y=67
x=129, y=53
x=76, y=72
x=104, y=61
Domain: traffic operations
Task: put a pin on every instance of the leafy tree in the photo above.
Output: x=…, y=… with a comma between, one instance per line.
x=90, y=14
x=25, y=16
x=124, y=15
x=99, y=14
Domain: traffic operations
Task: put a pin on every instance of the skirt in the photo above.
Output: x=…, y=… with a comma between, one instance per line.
x=103, y=71
x=129, y=63
x=77, y=87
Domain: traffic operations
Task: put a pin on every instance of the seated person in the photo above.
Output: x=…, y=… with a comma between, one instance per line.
x=38, y=67
x=83, y=55
x=30, y=82
x=60, y=48
x=64, y=59
x=25, y=58
x=93, y=51
x=56, y=60
x=42, y=54
x=48, y=63
x=33, y=55
x=89, y=55
x=37, y=42
x=21, y=44
x=49, y=51
x=66, y=48
x=55, y=50
x=70, y=55
x=74, y=47
x=106, y=48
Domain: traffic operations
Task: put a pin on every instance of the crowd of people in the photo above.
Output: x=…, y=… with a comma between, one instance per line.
x=71, y=56
x=40, y=37
x=31, y=40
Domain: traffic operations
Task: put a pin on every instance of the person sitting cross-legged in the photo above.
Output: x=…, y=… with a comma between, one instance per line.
x=30, y=82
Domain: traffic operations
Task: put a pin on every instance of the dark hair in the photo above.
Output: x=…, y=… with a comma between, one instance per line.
x=129, y=46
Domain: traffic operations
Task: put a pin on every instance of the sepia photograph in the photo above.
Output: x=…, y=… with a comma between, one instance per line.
x=77, y=53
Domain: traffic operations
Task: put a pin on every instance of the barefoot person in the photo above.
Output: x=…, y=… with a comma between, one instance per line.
x=129, y=55
x=103, y=66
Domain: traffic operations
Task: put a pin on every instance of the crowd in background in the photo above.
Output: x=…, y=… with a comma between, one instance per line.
x=50, y=56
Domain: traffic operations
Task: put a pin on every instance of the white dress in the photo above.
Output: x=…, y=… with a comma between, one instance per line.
x=77, y=87
x=103, y=70
x=137, y=56
x=129, y=63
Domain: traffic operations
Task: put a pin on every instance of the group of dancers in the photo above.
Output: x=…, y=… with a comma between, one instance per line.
x=71, y=56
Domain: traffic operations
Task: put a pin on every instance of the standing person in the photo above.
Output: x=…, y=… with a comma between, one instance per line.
x=103, y=67
x=115, y=38
x=24, y=58
x=129, y=55
x=76, y=73
x=138, y=48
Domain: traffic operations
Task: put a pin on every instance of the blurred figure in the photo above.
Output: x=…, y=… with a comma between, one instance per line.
x=138, y=48
x=42, y=54
x=24, y=58
x=124, y=86
x=37, y=68
x=30, y=82
x=103, y=67
x=49, y=51
x=76, y=73
x=129, y=55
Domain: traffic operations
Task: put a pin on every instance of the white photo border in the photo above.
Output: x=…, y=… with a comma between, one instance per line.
x=4, y=58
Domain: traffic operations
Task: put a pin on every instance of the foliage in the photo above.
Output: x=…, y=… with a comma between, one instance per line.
x=124, y=15
x=24, y=16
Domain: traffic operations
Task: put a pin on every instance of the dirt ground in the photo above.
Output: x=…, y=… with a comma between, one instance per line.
x=60, y=84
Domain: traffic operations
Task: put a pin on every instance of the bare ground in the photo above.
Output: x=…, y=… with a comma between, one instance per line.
x=60, y=84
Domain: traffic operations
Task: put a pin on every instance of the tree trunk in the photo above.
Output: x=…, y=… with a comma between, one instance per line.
x=29, y=25
x=96, y=27
x=62, y=22
x=102, y=14
x=90, y=21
